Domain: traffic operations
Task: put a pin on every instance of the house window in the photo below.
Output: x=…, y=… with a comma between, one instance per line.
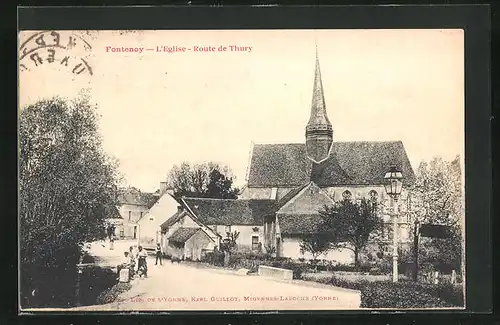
x=255, y=243
x=129, y=215
x=347, y=195
x=373, y=195
x=228, y=229
x=274, y=192
x=151, y=218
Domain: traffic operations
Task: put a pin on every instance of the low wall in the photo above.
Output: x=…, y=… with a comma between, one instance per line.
x=275, y=272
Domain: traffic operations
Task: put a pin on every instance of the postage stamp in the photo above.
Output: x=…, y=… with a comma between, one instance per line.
x=238, y=170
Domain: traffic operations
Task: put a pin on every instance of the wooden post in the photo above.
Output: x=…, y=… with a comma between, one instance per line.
x=415, y=251
x=453, y=276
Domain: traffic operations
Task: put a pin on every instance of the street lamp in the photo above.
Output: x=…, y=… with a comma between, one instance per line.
x=393, y=185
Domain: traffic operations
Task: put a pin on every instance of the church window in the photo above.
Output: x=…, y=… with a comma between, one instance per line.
x=228, y=229
x=373, y=196
x=347, y=195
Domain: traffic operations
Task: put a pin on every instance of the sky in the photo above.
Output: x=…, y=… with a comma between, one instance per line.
x=158, y=109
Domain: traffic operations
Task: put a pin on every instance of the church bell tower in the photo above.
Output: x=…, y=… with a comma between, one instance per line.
x=319, y=132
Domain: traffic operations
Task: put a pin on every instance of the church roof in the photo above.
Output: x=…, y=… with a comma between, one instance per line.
x=318, y=106
x=350, y=163
x=229, y=211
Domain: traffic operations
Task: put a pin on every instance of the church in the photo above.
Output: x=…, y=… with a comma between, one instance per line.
x=288, y=184
x=302, y=177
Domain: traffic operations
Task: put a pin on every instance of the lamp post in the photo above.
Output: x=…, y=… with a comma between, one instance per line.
x=393, y=185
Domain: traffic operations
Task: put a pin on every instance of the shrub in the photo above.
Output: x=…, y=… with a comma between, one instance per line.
x=375, y=271
x=297, y=268
x=398, y=295
x=386, y=294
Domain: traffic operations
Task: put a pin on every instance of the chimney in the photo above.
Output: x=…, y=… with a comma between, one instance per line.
x=163, y=187
x=179, y=208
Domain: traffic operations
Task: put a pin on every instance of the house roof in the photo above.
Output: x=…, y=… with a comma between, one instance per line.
x=299, y=224
x=161, y=207
x=173, y=219
x=350, y=163
x=134, y=196
x=284, y=200
x=229, y=211
x=183, y=234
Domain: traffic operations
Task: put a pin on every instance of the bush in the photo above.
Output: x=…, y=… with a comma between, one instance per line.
x=398, y=295
x=385, y=294
x=375, y=271
x=214, y=258
x=297, y=268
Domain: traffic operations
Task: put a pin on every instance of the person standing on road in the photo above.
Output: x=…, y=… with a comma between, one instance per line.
x=158, y=254
x=133, y=264
x=142, y=268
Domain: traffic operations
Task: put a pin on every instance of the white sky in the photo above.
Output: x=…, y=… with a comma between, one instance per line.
x=159, y=109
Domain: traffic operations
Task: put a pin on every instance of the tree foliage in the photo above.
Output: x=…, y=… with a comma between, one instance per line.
x=350, y=224
x=316, y=244
x=66, y=183
x=208, y=180
x=439, y=191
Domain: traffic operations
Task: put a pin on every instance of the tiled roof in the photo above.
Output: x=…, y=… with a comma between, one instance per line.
x=228, y=211
x=173, y=219
x=134, y=196
x=350, y=163
x=299, y=224
x=183, y=234
x=290, y=195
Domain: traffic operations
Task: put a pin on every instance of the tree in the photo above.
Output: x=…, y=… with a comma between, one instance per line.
x=209, y=180
x=66, y=183
x=439, y=191
x=350, y=224
x=228, y=245
x=315, y=244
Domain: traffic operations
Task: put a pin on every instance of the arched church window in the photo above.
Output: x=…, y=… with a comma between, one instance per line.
x=347, y=195
x=373, y=196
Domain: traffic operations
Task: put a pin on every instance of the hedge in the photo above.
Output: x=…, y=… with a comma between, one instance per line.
x=386, y=294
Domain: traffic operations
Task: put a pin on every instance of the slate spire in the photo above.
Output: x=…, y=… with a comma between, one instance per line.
x=319, y=132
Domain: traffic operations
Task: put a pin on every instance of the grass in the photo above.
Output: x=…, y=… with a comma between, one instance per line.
x=110, y=295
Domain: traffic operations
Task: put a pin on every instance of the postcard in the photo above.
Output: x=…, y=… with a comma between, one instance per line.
x=241, y=170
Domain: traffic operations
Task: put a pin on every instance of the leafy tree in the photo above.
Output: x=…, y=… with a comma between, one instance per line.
x=439, y=192
x=228, y=245
x=202, y=180
x=315, y=244
x=66, y=183
x=350, y=225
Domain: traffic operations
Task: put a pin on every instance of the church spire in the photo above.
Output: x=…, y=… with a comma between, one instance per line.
x=319, y=133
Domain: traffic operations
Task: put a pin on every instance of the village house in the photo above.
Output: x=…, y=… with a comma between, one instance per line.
x=113, y=221
x=151, y=221
x=184, y=236
x=225, y=216
x=132, y=205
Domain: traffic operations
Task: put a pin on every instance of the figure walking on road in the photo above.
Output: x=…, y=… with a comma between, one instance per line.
x=158, y=254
